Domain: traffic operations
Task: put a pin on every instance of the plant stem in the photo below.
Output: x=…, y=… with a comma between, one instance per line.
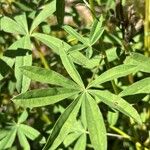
x=91, y=2
x=147, y=27
x=43, y=116
x=43, y=60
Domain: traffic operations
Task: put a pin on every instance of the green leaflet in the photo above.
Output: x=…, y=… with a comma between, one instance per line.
x=81, y=143
x=112, y=117
x=8, y=140
x=95, y=124
x=3, y=133
x=63, y=125
x=96, y=30
x=113, y=73
x=142, y=86
x=23, y=82
x=83, y=113
x=11, y=26
x=22, y=21
x=48, y=76
x=76, y=131
x=43, y=97
x=23, y=140
x=23, y=117
x=89, y=52
x=23, y=6
x=116, y=102
x=47, y=11
x=77, y=47
x=70, y=138
x=5, y=68
x=75, y=34
x=29, y=132
x=69, y=66
x=141, y=61
x=54, y=43
x=21, y=51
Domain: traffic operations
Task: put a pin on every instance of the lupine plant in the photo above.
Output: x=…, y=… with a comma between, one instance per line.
x=99, y=83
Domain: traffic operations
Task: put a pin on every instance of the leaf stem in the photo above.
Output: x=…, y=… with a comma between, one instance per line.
x=124, y=135
x=120, y=132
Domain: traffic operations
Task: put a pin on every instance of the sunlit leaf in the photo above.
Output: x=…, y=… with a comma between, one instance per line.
x=95, y=124
x=22, y=45
x=63, y=125
x=47, y=11
x=42, y=97
x=23, y=140
x=76, y=131
x=47, y=76
x=141, y=61
x=70, y=67
x=8, y=140
x=113, y=73
x=96, y=30
x=23, y=117
x=81, y=143
x=70, y=138
x=112, y=117
x=29, y=132
x=51, y=42
x=75, y=34
x=116, y=102
x=11, y=26
x=142, y=86
x=22, y=21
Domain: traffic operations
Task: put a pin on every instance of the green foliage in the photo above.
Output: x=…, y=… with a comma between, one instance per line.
x=90, y=75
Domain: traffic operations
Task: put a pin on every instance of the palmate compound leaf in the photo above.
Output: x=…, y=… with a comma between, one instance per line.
x=43, y=97
x=118, y=103
x=139, y=87
x=70, y=67
x=113, y=73
x=95, y=124
x=63, y=125
x=48, y=76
